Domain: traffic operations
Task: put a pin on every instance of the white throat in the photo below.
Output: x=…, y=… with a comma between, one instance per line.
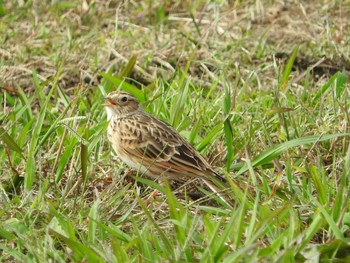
x=110, y=113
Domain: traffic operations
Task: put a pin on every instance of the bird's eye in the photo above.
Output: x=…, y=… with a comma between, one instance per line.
x=124, y=99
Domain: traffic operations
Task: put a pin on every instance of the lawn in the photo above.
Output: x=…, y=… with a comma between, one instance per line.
x=260, y=88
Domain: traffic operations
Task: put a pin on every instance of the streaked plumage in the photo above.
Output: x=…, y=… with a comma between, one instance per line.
x=152, y=146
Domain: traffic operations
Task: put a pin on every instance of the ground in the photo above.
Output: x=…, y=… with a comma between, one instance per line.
x=260, y=88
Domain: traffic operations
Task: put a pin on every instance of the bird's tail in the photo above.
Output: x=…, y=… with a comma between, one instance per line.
x=225, y=189
x=221, y=189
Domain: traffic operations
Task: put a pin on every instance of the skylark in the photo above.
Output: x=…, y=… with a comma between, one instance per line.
x=153, y=147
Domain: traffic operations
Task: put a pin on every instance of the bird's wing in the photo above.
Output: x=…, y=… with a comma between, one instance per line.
x=153, y=142
x=162, y=151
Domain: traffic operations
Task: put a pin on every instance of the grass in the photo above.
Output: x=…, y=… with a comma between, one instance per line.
x=261, y=90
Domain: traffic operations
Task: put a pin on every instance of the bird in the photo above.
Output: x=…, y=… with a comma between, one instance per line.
x=153, y=147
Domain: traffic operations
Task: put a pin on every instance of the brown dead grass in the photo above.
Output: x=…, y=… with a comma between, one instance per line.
x=91, y=37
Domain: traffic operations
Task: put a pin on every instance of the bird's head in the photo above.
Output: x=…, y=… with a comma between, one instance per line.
x=120, y=103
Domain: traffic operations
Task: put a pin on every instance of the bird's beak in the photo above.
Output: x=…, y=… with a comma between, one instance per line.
x=109, y=102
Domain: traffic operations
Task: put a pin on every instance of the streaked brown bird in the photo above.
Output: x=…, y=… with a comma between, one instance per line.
x=152, y=147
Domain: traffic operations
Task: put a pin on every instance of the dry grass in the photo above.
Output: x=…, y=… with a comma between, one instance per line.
x=92, y=38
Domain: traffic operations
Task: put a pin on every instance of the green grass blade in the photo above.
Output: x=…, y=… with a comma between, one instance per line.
x=64, y=225
x=210, y=137
x=116, y=232
x=180, y=220
x=33, y=146
x=333, y=225
x=17, y=255
x=320, y=185
x=228, y=128
x=275, y=151
x=84, y=157
x=178, y=105
x=310, y=232
x=120, y=253
x=288, y=69
x=167, y=245
x=6, y=234
x=80, y=250
x=339, y=80
x=7, y=139
x=92, y=226
x=3, y=10
x=126, y=72
x=53, y=126
x=150, y=183
x=340, y=84
x=139, y=94
x=26, y=102
x=216, y=244
x=63, y=160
